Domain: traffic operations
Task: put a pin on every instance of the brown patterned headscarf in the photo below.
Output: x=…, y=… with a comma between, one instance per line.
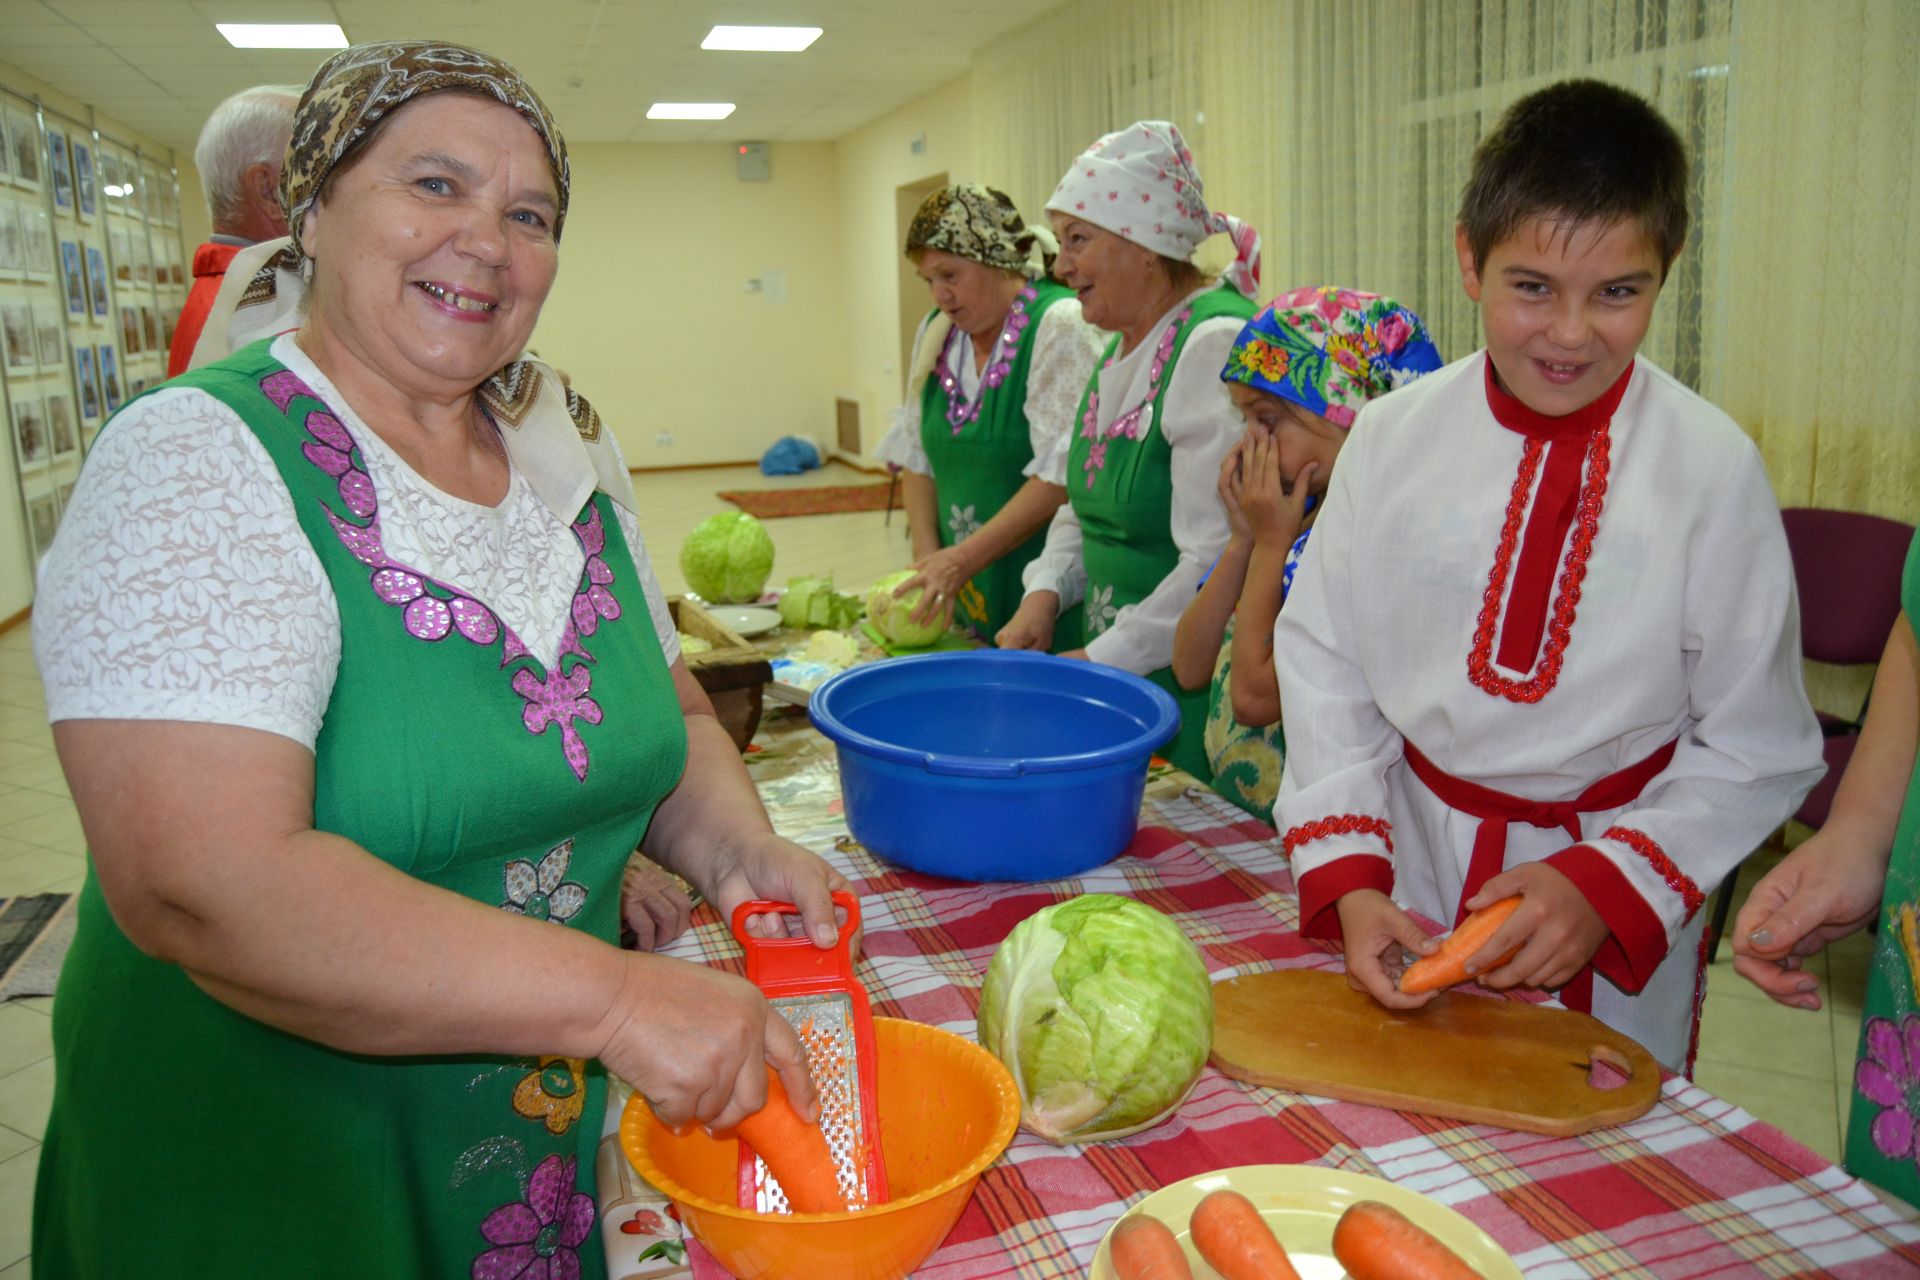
x=978, y=223
x=357, y=88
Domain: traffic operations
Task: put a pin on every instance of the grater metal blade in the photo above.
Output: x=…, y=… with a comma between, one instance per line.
x=814, y=989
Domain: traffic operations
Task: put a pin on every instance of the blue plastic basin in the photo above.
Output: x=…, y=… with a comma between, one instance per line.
x=992, y=765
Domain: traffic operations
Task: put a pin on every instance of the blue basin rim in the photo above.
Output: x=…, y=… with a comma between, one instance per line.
x=1165, y=724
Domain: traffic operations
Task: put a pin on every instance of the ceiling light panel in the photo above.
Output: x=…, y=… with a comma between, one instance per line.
x=283, y=35
x=761, y=39
x=689, y=111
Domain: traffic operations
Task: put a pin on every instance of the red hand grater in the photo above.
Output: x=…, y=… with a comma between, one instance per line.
x=815, y=991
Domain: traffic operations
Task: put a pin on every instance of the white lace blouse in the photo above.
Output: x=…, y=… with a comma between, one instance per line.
x=181, y=586
x=1065, y=350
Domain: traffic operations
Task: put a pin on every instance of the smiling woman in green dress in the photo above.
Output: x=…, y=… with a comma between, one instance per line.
x=997, y=370
x=366, y=695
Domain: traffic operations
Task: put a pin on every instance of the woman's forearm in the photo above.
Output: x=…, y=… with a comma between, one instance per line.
x=715, y=803
x=922, y=505
x=1196, y=641
x=1255, y=687
x=1867, y=804
x=1023, y=515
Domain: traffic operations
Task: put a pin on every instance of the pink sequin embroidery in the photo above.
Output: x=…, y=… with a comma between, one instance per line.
x=558, y=699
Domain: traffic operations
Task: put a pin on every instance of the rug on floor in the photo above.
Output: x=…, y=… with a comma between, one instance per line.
x=819, y=500
x=34, y=934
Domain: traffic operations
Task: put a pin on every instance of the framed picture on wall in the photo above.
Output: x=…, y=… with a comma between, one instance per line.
x=61, y=430
x=76, y=278
x=34, y=230
x=29, y=431
x=50, y=333
x=13, y=244
x=149, y=329
x=109, y=377
x=97, y=280
x=24, y=133
x=83, y=188
x=16, y=336
x=89, y=378
x=130, y=330
x=122, y=255
x=59, y=169
x=43, y=513
x=6, y=147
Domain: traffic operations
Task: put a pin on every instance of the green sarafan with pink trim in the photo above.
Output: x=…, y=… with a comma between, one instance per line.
x=188, y=1139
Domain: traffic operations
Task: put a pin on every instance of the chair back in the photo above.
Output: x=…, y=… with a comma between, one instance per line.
x=1846, y=566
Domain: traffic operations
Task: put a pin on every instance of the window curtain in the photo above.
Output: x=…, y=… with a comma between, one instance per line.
x=1343, y=130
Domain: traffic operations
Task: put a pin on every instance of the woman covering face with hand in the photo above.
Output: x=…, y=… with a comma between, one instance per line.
x=1143, y=520
x=367, y=694
x=997, y=370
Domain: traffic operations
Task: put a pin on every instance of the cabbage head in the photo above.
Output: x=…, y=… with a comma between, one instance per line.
x=727, y=558
x=1102, y=1010
x=893, y=618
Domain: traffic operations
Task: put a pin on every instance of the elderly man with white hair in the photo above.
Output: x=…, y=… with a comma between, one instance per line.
x=239, y=155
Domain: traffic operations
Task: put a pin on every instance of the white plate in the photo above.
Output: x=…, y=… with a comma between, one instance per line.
x=1302, y=1202
x=744, y=619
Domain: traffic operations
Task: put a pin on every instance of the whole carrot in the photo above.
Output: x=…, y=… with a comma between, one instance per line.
x=1447, y=967
x=795, y=1151
x=1374, y=1241
x=1236, y=1241
x=1144, y=1248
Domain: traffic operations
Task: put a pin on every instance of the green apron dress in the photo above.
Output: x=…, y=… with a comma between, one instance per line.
x=979, y=464
x=1883, y=1127
x=189, y=1140
x=1122, y=491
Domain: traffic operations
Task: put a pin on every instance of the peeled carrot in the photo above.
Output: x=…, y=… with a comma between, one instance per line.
x=1374, y=1241
x=1447, y=967
x=1144, y=1248
x=796, y=1152
x=1236, y=1241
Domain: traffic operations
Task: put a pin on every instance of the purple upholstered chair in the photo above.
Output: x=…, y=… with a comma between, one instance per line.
x=1846, y=567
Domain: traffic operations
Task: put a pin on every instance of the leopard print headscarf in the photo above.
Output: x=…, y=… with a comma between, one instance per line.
x=357, y=88
x=981, y=224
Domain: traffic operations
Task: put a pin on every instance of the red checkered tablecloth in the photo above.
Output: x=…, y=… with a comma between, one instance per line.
x=1695, y=1188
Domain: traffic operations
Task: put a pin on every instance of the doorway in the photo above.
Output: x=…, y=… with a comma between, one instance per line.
x=914, y=299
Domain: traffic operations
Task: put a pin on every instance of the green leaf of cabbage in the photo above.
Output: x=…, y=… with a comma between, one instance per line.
x=813, y=603
x=1102, y=1010
x=893, y=618
x=727, y=558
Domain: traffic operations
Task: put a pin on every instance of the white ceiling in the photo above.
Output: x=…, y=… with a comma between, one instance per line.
x=159, y=65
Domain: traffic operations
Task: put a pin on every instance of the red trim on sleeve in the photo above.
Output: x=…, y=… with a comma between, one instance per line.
x=1677, y=880
x=1347, y=824
x=1636, y=941
x=1322, y=888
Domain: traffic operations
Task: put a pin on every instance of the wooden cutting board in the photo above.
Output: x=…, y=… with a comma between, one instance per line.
x=1463, y=1057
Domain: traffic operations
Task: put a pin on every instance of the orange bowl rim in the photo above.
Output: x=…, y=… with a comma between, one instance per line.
x=1004, y=1089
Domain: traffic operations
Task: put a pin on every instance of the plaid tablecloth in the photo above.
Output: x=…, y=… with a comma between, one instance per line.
x=1695, y=1188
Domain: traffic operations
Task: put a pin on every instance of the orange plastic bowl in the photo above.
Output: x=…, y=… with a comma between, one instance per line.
x=947, y=1110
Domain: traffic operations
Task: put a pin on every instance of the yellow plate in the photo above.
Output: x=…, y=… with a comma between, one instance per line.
x=1301, y=1203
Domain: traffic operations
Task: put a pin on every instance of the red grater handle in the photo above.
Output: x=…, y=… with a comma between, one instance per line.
x=788, y=965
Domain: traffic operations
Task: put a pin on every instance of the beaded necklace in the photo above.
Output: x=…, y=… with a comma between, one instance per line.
x=961, y=411
x=1135, y=422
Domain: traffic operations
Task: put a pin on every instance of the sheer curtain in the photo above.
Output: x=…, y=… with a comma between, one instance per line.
x=1343, y=129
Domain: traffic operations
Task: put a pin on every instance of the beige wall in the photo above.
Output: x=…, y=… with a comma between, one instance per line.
x=652, y=318
x=872, y=163
x=16, y=573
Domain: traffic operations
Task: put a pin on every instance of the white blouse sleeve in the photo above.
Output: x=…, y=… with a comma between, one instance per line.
x=181, y=586
x=1201, y=424
x=900, y=446
x=1059, y=567
x=643, y=565
x=1066, y=351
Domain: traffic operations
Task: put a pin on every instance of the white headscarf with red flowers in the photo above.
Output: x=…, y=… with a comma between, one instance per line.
x=1141, y=185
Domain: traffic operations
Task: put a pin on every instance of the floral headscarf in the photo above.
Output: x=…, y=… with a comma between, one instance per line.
x=1141, y=185
x=1331, y=350
x=980, y=224
x=357, y=88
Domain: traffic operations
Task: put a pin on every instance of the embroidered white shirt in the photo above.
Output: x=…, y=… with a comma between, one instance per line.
x=181, y=586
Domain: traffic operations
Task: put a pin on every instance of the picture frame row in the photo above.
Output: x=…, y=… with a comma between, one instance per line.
x=84, y=177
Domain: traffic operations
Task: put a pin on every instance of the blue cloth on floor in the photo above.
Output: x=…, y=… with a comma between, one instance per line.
x=789, y=456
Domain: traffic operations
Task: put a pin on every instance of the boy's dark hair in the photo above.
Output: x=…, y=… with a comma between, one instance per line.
x=1578, y=151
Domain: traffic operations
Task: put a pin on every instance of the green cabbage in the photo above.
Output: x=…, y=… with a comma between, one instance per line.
x=1102, y=1010
x=812, y=602
x=727, y=558
x=892, y=618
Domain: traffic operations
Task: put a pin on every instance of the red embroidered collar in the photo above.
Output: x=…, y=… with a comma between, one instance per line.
x=1510, y=413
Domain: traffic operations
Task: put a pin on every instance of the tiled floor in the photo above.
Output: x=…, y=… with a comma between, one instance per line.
x=1784, y=1065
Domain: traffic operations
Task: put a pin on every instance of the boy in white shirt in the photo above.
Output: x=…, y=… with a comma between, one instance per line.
x=1544, y=641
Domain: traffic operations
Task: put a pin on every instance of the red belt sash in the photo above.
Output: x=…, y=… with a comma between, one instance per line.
x=1497, y=810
